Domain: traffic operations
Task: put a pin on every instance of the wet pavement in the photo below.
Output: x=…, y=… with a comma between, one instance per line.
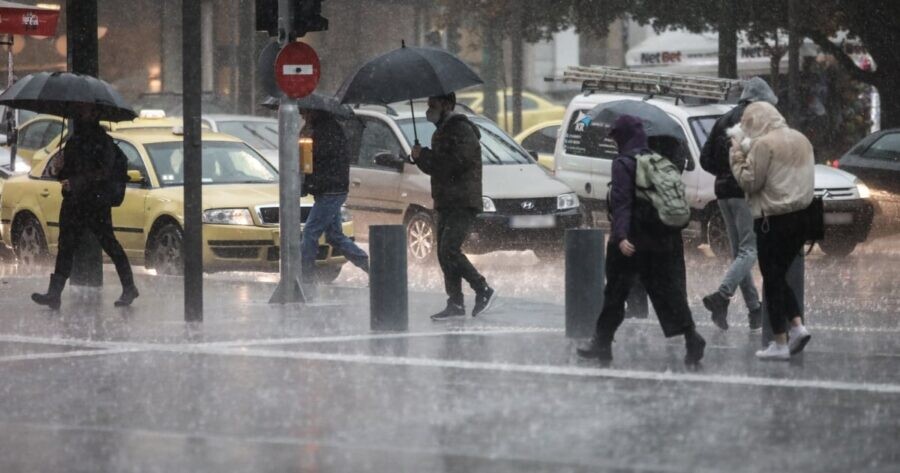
x=261, y=388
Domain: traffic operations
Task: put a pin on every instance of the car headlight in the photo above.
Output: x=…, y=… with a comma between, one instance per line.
x=488, y=204
x=228, y=217
x=864, y=192
x=567, y=201
x=345, y=214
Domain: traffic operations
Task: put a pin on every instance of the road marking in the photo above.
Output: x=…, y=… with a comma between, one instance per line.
x=65, y=354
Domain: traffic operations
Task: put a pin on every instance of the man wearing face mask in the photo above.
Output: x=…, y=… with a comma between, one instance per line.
x=454, y=164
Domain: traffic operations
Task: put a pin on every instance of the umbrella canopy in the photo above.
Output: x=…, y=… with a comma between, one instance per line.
x=22, y=19
x=656, y=122
x=315, y=101
x=407, y=73
x=65, y=94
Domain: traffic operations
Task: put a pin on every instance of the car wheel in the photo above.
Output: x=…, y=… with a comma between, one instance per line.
x=839, y=247
x=421, y=238
x=328, y=273
x=166, y=250
x=717, y=235
x=29, y=242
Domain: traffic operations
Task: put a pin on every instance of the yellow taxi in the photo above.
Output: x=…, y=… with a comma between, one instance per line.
x=240, y=207
x=535, y=108
x=541, y=141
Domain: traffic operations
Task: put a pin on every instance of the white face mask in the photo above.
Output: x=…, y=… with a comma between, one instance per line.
x=434, y=115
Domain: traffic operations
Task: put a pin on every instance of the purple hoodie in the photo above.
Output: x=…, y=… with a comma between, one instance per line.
x=628, y=133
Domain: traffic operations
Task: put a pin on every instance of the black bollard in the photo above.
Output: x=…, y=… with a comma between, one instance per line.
x=585, y=254
x=637, y=306
x=388, y=292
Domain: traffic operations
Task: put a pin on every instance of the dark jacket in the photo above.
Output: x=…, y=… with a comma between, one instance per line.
x=714, y=158
x=331, y=158
x=454, y=164
x=89, y=164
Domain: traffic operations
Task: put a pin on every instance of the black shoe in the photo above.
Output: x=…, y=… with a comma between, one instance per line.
x=598, y=348
x=755, y=319
x=53, y=297
x=129, y=294
x=718, y=305
x=694, y=345
x=452, y=310
x=483, y=301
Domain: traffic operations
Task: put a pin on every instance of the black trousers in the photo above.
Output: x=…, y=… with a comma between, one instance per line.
x=663, y=275
x=779, y=240
x=74, y=219
x=453, y=227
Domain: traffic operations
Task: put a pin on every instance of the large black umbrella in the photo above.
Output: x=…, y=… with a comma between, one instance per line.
x=407, y=73
x=315, y=101
x=65, y=94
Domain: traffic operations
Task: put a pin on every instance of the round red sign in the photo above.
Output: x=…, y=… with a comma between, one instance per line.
x=297, y=70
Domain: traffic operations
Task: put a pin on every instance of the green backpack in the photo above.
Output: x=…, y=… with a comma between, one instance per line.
x=658, y=181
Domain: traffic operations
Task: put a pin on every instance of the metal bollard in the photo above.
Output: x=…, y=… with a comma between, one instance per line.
x=637, y=305
x=585, y=259
x=796, y=277
x=388, y=291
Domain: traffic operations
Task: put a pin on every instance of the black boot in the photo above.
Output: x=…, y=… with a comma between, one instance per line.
x=718, y=305
x=129, y=294
x=600, y=348
x=52, y=298
x=694, y=345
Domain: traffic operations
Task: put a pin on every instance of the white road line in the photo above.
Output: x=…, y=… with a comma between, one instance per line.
x=65, y=354
x=812, y=326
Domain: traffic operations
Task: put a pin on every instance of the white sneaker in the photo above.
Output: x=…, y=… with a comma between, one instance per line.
x=775, y=352
x=798, y=337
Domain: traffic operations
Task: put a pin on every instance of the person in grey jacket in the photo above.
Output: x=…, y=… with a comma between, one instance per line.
x=735, y=211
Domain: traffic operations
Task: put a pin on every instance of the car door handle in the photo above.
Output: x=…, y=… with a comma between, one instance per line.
x=45, y=193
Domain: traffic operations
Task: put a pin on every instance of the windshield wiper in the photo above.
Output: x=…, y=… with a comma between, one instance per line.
x=258, y=135
x=492, y=155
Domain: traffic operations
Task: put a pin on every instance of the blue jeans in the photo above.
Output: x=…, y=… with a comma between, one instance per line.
x=739, y=224
x=325, y=217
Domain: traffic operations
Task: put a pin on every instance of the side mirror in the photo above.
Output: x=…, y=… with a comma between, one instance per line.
x=135, y=177
x=389, y=160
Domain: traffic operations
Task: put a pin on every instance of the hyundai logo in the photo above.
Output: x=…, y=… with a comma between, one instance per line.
x=528, y=205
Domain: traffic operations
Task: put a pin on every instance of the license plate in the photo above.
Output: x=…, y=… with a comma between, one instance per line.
x=839, y=218
x=532, y=221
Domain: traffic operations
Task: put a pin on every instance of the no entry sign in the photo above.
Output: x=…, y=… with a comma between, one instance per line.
x=297, y=70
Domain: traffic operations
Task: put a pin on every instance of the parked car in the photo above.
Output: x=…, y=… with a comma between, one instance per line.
x=240, y=207
x=540, y=140
x=876, y=160
x=259, y=132
x=535, y=108
x=524, y=207
x=585, y=166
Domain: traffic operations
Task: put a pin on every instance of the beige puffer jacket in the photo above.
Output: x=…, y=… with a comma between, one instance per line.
x=773, y=164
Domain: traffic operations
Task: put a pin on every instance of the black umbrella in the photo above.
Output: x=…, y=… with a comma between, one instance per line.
x=656, y=122
x=407, y=73
x=65, y=94
x=315, y=101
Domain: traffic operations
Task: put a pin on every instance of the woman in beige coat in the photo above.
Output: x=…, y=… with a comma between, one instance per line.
x=774, y=165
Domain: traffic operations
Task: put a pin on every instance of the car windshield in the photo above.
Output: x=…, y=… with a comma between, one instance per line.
x=702, y=127
x=223, y=163
x=260, y=135
x=496, y=146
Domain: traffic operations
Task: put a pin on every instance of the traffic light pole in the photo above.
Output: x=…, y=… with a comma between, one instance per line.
x=289, y=288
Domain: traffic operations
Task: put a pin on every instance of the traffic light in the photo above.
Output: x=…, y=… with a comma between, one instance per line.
x=307, y=17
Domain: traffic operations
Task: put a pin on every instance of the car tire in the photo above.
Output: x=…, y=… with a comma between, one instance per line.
x=717, y=235
x=837, y=247
x=328, y=273
x=166, y=250
x=29, y=242
x=421, y=238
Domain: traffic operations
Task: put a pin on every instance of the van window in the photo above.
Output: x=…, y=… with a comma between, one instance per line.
x=579, y=142
x=702, y=127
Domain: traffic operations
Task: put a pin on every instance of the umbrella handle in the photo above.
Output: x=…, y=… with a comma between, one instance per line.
x=415, y=130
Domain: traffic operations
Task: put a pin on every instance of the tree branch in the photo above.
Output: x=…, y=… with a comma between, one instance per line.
x=824, y=42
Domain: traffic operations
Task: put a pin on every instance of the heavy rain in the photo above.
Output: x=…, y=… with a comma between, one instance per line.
x=449, y=236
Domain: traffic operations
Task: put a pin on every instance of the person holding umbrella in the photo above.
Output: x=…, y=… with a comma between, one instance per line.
x=454, y=164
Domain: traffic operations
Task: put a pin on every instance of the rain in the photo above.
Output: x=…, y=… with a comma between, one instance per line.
x=485, y=189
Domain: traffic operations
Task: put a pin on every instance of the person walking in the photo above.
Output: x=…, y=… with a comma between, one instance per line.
x=329, y=184
x=639, y=246
x=774, y=165
x=735, y=211
x=93, y=173
x=454, y=164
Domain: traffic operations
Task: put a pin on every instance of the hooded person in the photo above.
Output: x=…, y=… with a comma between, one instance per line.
x=714, y=158
x=775, y=166
x=454, y=164
x=637, y=247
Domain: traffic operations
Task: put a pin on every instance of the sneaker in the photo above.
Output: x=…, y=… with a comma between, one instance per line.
x=451, y=311
x=718, y=305
x=775, y=352
x=483, y=301
x=598, y=348
x=798, y=337
x=694, y=346
x=755, y=319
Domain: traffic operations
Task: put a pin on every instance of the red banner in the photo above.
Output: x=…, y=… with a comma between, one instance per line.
x=24, y=20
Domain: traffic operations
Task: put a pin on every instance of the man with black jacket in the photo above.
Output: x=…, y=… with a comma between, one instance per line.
x=329, y=184
x=454, y=164
x=735, y=210
x=91, y=174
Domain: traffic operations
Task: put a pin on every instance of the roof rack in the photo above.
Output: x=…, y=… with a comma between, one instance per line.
x=597, y=78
